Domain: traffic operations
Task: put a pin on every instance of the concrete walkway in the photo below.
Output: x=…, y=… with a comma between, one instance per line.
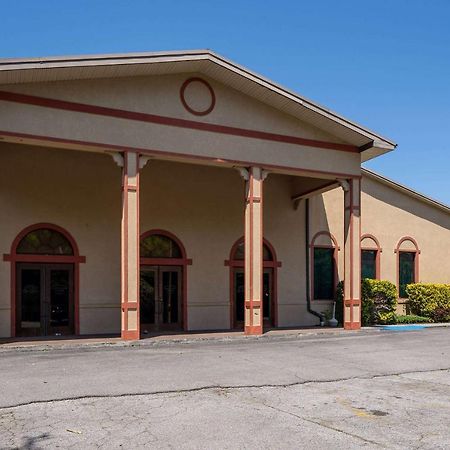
x=175, y=337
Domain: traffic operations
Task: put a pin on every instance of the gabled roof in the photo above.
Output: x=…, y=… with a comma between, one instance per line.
x=405, y=190
x=31, y=70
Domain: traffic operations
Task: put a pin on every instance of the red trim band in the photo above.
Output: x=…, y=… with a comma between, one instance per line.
x=146, y=151
x=170, y=121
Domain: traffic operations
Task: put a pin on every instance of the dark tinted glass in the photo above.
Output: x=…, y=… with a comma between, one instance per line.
x=406, y=271
x=31, y=298
x=159, y=246
x=170, y=296
x=369, y=264
x=44, y=242
x=239, y=286
x=59, y=298
x=148, y=296
x=266, y=295
x=323, y=273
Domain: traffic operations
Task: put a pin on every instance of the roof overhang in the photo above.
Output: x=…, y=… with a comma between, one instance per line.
x=48, y=69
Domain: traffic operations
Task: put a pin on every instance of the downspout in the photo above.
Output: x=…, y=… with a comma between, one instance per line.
x=308, y=281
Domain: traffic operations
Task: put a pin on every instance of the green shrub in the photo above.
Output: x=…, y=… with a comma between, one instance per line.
x=411, y=318
x=378, y=302
x=430, y=300
x=339, y=306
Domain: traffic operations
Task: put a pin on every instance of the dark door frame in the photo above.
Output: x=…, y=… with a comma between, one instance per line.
x=45, y=270
x=182, y=262
x=267, y=322
x=158, y=324
x=76, y=259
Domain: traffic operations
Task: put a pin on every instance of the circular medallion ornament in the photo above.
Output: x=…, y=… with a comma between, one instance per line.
x=197, y=96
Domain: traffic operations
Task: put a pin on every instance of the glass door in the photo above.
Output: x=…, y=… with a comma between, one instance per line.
x=29, y=300
x=160, y=296
x=170, y=297
x=44, y=301
x=148, y=298
x=239, y=297
x=267, y=297
x=58, y=301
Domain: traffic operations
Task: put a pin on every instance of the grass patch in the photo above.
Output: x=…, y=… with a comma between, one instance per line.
x=412, y=318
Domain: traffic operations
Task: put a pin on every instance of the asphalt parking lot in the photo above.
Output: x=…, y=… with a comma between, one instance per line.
x=347, y=390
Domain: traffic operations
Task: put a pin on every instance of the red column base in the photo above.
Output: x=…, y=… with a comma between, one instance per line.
x=130, y=335
x=253, y=330
x=352, y=325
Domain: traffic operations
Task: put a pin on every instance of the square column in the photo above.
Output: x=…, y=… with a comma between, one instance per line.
x=352, y=254
x=130, y=265
x=253, y=266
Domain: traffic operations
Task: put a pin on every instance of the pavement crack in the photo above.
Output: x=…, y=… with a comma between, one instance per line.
x=215, y=386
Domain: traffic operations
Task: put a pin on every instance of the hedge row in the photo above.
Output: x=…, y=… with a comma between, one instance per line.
x=378, y=302
x=430, y=300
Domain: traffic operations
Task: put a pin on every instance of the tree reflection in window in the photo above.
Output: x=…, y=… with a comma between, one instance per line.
x=159, y=246
x=324, y=273
x=45, y=241
x=406, y=271
x=369, y=264
x=239, y=253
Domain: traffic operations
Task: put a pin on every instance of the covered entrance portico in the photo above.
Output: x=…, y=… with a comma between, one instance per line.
x=183, y=128
x=158, y=303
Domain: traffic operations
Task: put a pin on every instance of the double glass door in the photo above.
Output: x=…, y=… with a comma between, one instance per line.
x=44, y=300
x=239, y=296
x=160, y=296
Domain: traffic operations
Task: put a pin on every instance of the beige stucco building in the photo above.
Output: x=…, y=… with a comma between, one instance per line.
x=170, y=191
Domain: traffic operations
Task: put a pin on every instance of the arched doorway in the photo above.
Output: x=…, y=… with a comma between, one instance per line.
x=163, y=281
x=44, y=282
x=237, y=284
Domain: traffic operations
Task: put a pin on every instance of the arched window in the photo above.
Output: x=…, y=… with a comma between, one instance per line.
x=370, y=257
x=407, y=264
x=44, y=241
x=239, y=252
x=324, y=266
x=159, y=246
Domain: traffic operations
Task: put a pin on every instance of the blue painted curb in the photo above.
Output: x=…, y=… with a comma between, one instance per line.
x=402, y=327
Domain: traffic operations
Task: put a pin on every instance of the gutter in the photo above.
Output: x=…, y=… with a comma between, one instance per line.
x=307, y=257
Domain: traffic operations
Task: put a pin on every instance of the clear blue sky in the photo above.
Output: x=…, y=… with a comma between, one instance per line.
x=384, y=64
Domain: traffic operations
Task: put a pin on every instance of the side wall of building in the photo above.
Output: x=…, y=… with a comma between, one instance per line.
x=390, y=215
